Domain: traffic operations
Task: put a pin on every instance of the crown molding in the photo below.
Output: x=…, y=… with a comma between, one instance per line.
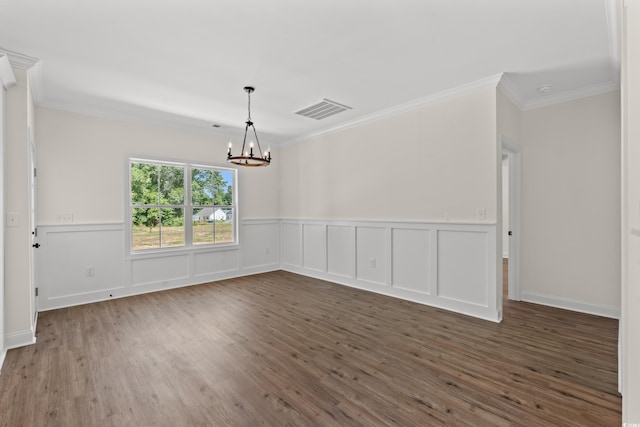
x=452, y=93
x=18, y=60
x=614, y=16
x=36, y=83
x=7, y=78
x=34, y=68
x=572, y=95
x=511, y=91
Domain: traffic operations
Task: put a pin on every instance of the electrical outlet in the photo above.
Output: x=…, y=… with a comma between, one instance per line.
x=481, y=214
x=91, y=271
x=65, y=218
x=373, y=263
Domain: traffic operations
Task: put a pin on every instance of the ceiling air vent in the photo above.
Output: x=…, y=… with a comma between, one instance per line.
x=323, y=109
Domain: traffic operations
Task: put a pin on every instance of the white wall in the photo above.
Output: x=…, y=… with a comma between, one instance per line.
x=2, y=212
x=19, y=326
x=429, y=164
x=630, y=338
x=82, y=171
x=391, y=206
x=7, y=79
x=82, y=166
x=570, y=205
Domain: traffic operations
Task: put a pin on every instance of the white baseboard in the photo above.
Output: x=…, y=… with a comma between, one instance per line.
x=430, y=300
x=123, y=292
x=571, y=304
x=2, y=357
x=19, y=339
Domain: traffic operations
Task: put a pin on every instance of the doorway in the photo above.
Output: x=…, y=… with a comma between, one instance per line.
x=511, y=217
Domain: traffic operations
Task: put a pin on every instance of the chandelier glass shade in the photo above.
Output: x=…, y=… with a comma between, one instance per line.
x=250, y=155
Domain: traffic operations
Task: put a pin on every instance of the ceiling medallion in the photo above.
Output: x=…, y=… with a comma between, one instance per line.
x=247, y=157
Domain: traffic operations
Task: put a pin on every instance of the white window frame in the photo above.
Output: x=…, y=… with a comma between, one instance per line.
x=187, y=207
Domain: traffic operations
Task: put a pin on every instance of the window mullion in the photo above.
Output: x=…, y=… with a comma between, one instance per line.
x=188, y=208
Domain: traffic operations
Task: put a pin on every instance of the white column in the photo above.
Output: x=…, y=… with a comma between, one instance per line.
x=630, y=319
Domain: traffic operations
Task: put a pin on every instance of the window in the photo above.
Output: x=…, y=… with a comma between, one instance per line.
x=180, y=205
x=212, y=203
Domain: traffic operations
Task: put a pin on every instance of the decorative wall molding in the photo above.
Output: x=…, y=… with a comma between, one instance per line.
x=7, y=78
x=614, y=14
x=416, y=261
x=442, y=264
x=444, y=95
x=571, y=304
x=572, y=95
x=510, y=90
x=68, y=250
x=33, y=65
x=19, y=60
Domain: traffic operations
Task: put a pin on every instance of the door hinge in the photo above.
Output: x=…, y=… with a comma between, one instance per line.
x=35, y=172
x=36, y=291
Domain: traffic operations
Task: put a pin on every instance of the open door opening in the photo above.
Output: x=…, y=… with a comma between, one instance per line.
x=511, y=231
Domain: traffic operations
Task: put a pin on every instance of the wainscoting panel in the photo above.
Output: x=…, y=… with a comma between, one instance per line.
x=158, y=270
x=207, y=263
x=411, y=259
x=292, y=244
x=371, y=248
x=314, y=241
x=68, y=253
x=447, y=265
x=78, y=264
x=340, y=250
x=468, y=249
x=260, y=244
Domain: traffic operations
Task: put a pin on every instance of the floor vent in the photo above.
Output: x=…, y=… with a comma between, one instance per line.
x=323, y=109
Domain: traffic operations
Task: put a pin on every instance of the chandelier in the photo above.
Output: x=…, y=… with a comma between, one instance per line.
x=248, y=157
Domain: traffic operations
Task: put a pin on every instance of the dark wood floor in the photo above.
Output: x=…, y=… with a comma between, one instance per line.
x=281, y=349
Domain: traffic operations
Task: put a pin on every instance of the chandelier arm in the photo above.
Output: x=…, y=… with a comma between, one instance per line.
x=257, y=142
x=244, y=141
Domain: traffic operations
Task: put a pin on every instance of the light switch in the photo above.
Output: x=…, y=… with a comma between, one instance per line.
x=12, y=220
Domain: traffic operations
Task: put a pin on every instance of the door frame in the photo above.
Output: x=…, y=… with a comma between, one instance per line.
x=514, y=156
x=33, y=225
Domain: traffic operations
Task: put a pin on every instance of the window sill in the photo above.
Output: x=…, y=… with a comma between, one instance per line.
x=161, y=253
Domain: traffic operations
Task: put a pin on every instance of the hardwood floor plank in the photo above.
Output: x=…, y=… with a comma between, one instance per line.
x=282, y=349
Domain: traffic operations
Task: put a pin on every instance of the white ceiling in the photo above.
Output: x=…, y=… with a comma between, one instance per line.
x=186, y=62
